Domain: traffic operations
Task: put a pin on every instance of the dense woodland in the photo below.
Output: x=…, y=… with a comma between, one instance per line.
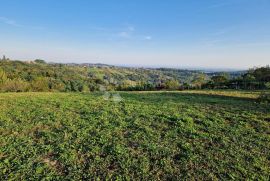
x=39, y=76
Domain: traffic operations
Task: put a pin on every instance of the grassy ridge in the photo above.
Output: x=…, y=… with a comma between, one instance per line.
x=161, y=135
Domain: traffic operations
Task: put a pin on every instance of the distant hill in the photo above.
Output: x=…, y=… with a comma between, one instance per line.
x=41, y=76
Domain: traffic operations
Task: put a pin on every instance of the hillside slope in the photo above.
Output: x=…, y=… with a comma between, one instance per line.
x=36, y=76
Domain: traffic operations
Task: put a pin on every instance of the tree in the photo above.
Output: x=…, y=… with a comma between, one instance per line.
x=267, y=85
x=93, y=87
x=219, y=79
x=15, y=85
x=3, y=77
x=40, y=61
x=262, y=74
x=56, y=85
x=199, y=80
x=4, y=58
x=40, y=84
x=172, y=85
x=249, y=81
x=264, y=97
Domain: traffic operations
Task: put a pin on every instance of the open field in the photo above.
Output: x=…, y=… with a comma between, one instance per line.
x=246, y=94
x=151, y=135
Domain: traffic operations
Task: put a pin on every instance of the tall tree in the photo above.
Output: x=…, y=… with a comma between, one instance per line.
x=4, y=58
x=3, y=77
x=199, y=80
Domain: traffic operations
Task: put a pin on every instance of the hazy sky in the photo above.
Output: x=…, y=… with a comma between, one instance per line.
x=171, y=33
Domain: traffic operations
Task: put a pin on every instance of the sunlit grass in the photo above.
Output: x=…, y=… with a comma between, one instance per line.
x=203, y=135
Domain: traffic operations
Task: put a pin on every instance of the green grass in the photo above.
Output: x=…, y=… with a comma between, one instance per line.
x=230, y=93
x=149, y=136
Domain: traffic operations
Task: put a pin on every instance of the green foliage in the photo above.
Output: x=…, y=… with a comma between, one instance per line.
x=262, y=74
x=199, y=80
x=40, y=84
x=264, y=97
x=40, y=61
x=43, y=77
x=146, y=136
x=15, y=85
x=172, y=85
x=257, y=78
x=219, y=79
x=3, y=77
x=77, y=78
x=267, y=85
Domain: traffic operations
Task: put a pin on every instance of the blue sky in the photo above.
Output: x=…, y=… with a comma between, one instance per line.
x=172, y=33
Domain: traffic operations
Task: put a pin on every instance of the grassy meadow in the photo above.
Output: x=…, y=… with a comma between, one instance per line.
x=202, y=135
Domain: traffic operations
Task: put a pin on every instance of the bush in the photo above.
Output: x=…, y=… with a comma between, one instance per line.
x=267, y=85
x=172, y=85
x=264, y=98
x=15, y=85
x=40, y=84
x=40, y=61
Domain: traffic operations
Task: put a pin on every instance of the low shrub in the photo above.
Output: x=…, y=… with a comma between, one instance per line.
x=264, y=98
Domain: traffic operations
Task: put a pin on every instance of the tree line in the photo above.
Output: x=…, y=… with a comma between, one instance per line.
x=39, y=76
x=254, y=79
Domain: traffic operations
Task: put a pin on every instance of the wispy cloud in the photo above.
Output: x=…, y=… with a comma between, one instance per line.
x=124, y=34
x=223, y=31
x=219, y=33
x=15, y=24
x=253, y=44
x=130, y=33
x=218, y=36
x=220, y=4
x=98, y=28
x=127, y=32
x=9, y=22
x=211, y=42
x=217, y=5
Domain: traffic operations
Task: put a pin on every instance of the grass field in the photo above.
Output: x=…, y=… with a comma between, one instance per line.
x=162, y=135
